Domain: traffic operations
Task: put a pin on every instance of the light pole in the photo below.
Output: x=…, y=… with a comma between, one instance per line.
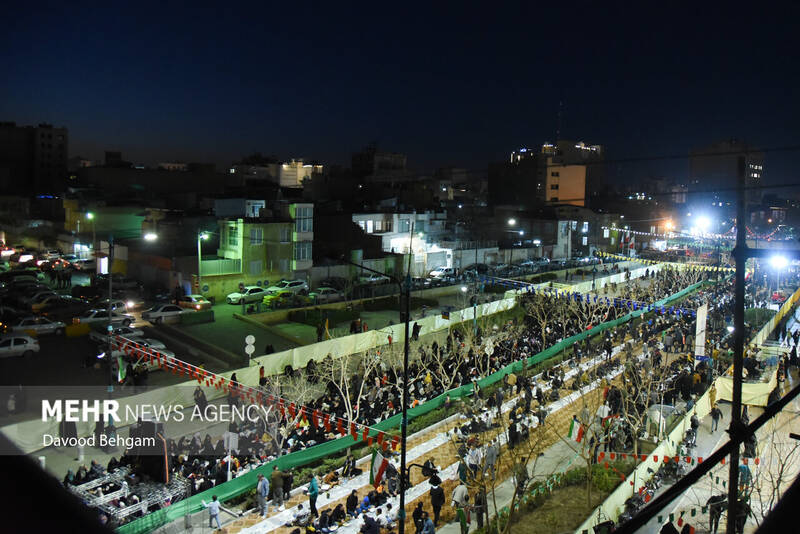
x=202, y=236
x=90, y=216
x=401, y=513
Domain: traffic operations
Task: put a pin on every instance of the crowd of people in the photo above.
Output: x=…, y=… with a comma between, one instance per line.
x=463, y=358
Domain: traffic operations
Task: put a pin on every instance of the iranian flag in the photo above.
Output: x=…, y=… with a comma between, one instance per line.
x=575, y=431
x=377, y=468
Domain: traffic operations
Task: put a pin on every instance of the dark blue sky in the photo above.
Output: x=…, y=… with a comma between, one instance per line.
x=449, y=85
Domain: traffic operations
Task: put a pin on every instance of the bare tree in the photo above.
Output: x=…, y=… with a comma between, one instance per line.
x=778, y=466
x=348, y=376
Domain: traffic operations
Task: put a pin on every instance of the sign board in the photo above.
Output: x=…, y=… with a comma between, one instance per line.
x=700, y=333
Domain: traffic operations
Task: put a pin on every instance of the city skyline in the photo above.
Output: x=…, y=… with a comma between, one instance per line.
x=448, y=89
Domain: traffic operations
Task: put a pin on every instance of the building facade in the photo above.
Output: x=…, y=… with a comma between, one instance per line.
x=33, y=159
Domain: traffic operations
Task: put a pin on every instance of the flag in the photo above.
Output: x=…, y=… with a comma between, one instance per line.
x=575, y=431
x=377, y=468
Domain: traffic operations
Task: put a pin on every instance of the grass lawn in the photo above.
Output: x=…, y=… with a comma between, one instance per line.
x=564, y=511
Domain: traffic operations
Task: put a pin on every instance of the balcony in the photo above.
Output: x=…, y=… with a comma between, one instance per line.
x=220, y=266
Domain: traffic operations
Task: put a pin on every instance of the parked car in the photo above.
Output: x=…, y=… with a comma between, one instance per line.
x=138, y=358
x=194, y=302
x=441, y=272
x=18, y=345
x=159, y=312
x=86, y=265
x=335, y=282
x=295, y=286
x=286, y=299
x=250, y=294
x=373, y=279
x=85, y=292
x=54, y=301
x=117, y=305
x=69, y=257
x=38, y=325
x=101, y=316
x=39, y=296
x=127, y=332
x=321, y=295
x=51, y=255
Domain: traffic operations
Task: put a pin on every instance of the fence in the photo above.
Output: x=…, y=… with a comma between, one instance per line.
x=611, y=506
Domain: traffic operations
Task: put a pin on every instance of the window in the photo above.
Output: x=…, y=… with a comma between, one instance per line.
x=5, y=344
x=286, y=235
x=304, y=219
x=554, y=199
x=404, y=226
x=362, y=224
x=369, y=227
x=302, y=251
x=379, y=226
x=554, y=187
x=585, y=240
x=585, y=226
x=256, y=267
x=554, y=174
x=387, y=226
x=256, y=236
x=233, y=236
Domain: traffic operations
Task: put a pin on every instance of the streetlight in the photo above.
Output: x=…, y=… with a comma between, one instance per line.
x=90, y=216
x=512, y=222
x=150, y=236
x=401, y=513
x=202, y=236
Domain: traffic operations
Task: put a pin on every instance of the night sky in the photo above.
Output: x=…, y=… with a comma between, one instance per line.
x=448, y=86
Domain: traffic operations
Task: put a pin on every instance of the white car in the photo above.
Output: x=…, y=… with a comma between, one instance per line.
x=124, y=331
x=138, y=358
x=39, y=296
x=295, y=286
x=326, y=294
x=38, y=325
x=373, y=278
x=441, y=272
x=117, y=305
x=18, y=345
x=159, y=312
x=101, y=316
x=250, y=294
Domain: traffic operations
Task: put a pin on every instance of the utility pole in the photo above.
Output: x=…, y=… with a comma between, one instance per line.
x=736, y=428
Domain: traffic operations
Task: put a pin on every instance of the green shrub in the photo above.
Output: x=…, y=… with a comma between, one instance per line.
x=393, y=304
x=315, y=316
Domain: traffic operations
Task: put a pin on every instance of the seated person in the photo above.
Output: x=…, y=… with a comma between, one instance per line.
x=352, y=503
x=338, y=515
x=300, y=517
x=365, y=504
x=331, y=479
x=324, y=522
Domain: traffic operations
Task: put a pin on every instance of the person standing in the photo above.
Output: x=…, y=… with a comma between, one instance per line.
x=313, y=492
x=213, y=512
x=712, y=395
x=428, y=526
x=416, y=516
x=262, y=492
x=492, y=452
x=277, y=487
x=437, y=501
x=460, y=500
x=716, y=414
